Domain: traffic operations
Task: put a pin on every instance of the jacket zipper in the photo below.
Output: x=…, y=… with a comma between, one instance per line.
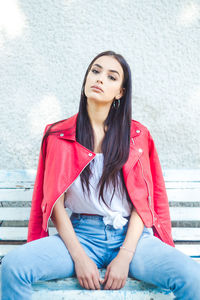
x=63, y=193
x=149, y=197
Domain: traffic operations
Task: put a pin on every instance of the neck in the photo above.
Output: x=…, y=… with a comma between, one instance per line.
x=97, y=113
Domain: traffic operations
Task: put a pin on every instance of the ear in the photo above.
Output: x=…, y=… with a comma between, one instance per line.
x=122, y=91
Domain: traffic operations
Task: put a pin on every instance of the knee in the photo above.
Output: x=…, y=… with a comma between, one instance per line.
x=11, y=264
x=192, y=279
x=187, y=282
x=7, y=265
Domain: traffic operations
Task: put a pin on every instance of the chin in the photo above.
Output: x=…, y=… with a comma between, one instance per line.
x=98, y=101
x=94, y=96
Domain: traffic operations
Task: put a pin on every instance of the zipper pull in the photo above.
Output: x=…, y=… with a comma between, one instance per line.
x=153, y=218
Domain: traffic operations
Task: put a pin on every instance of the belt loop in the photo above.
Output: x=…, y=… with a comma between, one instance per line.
x=76, y=215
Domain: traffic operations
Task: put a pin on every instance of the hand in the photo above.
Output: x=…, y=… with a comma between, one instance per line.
x=116, y=273
x=87, y=273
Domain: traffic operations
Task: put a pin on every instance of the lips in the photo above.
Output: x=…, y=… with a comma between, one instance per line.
x=97, y=88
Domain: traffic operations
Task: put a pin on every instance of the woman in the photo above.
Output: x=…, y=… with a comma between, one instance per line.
x=105, y=168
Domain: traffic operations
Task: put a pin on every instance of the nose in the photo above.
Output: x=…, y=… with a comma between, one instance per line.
x=99, y=80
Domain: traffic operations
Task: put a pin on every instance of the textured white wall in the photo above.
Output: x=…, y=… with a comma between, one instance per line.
x=46, y=46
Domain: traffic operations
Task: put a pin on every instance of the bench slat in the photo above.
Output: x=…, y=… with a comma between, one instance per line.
x=181, y=174
x=169, y=174
x=183, y=195
x=20, y=233
x=185, y=213
x=22, y=184
x=14, y=213
x=69, y=288
x=190, y=250
x=17, y=175
x=15, y=195
x=177, y=213
x=186, y=234
x=182, y=185
x=174, y=195
x=25, y=177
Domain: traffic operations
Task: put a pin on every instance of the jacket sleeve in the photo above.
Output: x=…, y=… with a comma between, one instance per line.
x=35, y=230
x=161, y=203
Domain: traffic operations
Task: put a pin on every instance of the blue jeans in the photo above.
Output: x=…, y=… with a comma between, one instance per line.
x=48, y=258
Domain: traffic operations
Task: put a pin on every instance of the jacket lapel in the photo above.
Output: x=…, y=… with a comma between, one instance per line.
x=134, y=156
x=68, y=132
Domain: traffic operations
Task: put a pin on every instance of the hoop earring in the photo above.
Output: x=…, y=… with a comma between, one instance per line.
x=116, y=103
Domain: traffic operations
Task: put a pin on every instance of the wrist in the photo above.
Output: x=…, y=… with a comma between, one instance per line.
x=78, y=255
x=126, y=249
x=126, y=255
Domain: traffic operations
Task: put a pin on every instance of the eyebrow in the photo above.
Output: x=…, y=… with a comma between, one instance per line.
x=114, y=71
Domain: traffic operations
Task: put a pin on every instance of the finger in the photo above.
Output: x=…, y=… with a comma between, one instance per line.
x=115, y=284
x=96, y=282
x=119, y=284
x=98, y=276
x=85, y=284
x=108, y=283
x=104, y=279
x=123, y=283
x=101, y=280
x=81, y=282
x=91, y=283
x=106, y=276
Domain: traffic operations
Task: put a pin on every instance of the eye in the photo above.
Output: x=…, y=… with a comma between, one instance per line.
x=95, y=71
x=112, y=78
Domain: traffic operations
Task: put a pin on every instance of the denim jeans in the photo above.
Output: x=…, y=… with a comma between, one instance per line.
x=48, y=258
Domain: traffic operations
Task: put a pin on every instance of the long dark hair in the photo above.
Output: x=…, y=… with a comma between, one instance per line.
x=116, y=142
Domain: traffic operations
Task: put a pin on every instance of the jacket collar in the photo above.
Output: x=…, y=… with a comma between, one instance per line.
x=68, y=128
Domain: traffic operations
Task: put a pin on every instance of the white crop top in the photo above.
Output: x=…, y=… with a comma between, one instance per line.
x=79, y=202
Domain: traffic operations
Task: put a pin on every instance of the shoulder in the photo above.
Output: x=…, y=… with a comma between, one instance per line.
x=137, y=127
x=70, y=123
x=64, y=124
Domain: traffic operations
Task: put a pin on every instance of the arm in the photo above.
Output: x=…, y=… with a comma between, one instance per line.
x=86, y=270
x=65, y=229
x=134, y=231
x=117, y=270
x=35, y=230
x=161, y=204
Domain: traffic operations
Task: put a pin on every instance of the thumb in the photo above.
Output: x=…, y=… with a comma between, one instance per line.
x=99, y=278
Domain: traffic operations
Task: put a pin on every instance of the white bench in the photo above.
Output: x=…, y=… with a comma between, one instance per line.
x=183, y=189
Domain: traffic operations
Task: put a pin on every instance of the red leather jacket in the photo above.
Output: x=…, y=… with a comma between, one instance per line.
x=65, y=159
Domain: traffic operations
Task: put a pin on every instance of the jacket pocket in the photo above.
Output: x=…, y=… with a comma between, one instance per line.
x=160, y=227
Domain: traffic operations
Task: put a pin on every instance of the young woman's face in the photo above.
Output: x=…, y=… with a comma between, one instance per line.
x=107, y=74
